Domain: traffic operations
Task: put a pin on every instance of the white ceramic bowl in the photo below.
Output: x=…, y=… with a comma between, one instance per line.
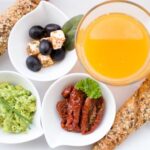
x=35, y=130
x=55, y=135
x=44, y=14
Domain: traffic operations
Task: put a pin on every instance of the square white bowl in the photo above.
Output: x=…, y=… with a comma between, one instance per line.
x=44, y=14
x=55, y=135
x=35, y=130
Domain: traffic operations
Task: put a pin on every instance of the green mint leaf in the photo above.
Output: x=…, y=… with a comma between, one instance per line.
x=90, y=87
x=69, y=28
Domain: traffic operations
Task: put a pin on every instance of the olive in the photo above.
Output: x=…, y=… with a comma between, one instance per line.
x=33, y=63
x=58, y=55
x=36, y=32
x=45, y=47
x=51, y=27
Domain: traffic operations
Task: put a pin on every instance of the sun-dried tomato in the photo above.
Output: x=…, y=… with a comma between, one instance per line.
x=62, y=110
x=78, y=112
x=99, y=105
x=66, y=92
x=85, y=115
x=74, y=110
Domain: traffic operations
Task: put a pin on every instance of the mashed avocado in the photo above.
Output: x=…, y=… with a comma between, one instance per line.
x=17, y=108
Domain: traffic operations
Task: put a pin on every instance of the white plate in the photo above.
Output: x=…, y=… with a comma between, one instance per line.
x=137, y=141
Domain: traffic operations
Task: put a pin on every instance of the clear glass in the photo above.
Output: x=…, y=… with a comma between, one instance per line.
x=129, y=8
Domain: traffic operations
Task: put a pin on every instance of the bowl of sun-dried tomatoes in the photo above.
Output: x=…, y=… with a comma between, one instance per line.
x=77, y=110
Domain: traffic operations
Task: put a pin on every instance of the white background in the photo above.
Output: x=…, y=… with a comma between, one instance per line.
x=139, y=140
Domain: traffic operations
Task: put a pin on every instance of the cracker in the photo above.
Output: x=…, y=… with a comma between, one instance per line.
x=9, y=17
x=131, y=116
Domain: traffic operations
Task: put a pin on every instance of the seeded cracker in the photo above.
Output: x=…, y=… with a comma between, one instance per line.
x=9, y=17
x=132, y=115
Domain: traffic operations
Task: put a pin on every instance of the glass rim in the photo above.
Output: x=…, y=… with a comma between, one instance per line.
x=101, y=78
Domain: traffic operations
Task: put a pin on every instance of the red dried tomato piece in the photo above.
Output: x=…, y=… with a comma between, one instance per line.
x=96, y=115
x=74, y=110
x=62, y=110
x=85, y=115
x=66, y=92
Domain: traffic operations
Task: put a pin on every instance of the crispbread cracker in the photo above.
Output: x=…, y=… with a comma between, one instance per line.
x=9, y=17
x=132, y=115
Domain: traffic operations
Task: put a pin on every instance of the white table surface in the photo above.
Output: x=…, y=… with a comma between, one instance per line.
x=140, y=140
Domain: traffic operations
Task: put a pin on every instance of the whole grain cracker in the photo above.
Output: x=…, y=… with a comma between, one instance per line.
x=9, y=17
x=131, y=116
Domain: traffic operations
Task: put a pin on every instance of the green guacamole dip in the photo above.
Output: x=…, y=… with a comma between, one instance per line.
x=17, y=108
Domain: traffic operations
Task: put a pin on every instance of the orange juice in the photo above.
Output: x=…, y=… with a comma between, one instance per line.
x=115, y=45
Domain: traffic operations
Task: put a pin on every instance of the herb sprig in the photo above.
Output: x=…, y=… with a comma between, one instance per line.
x=69, y=28
x=90, y=87
x=9, y=108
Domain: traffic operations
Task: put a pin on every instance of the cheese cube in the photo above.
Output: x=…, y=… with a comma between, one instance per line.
x=57, y=39
x=45, y=60
x=33, y=48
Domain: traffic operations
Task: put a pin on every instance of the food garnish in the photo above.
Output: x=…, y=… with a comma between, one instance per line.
x=90, y=87
x=17, y=108
x=70, y=28
x=132, y=115
x=79, y=112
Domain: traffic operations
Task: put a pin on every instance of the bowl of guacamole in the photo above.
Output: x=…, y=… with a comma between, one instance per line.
x=19, y=109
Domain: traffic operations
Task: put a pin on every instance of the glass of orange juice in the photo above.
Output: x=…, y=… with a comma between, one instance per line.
x=113, y=42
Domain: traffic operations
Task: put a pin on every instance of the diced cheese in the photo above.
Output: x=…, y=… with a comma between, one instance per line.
x=33, y=48
x=45, y=60
x=57, y=39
